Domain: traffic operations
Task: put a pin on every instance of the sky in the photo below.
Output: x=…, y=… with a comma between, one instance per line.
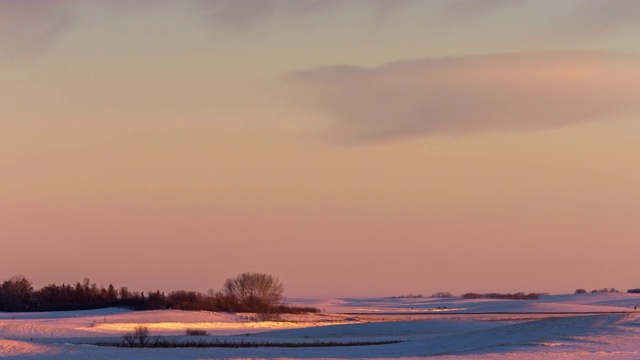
x=349, y=147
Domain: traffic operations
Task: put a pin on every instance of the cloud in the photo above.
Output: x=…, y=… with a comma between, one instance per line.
x=27, y=27
x=499, y=92
x=240, y=13
x=245, y=13
x=314, y=5
x=464, y=10
x=595, y=18
x=451, y=14
x=135, y=4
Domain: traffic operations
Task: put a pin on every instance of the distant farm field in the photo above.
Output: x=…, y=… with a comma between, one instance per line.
x=581, y=326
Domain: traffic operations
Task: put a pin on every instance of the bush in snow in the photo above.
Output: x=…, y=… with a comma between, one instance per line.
x=255, y=292
x=442, y=294
x=195, y=332
x=138, y=338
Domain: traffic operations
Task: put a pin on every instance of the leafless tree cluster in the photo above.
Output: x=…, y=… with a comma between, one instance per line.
x=260, y=292
x=247, y=292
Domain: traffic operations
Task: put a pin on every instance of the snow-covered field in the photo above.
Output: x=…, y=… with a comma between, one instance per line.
x=586, y=326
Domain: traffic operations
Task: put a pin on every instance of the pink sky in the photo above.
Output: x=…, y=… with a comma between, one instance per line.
x=350, y=148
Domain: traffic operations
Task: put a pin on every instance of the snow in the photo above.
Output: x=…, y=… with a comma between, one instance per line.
x=9, y=348
x=600, y=302
x=585, y=326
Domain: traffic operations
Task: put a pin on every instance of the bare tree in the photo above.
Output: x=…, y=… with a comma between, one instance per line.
x=138, y=338
x=255, y=291
x=15, y=294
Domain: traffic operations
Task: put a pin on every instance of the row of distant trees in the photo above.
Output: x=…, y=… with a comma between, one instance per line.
x=472, y=295
x=248, y=292
x=606, y=290
x=514, y=296
x=596, y=291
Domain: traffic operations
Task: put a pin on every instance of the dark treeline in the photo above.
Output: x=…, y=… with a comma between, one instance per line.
x=596, y=291
x=516, y=296
x=17, y=294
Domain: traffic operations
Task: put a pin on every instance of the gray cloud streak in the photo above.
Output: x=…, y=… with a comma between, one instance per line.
x=245, y=13
x=27, y=27
x=240, y=13
x=500, y=92
x=460, y=10
x=596, y=18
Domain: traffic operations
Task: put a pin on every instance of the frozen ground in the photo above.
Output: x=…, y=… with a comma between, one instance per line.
x=587, y=326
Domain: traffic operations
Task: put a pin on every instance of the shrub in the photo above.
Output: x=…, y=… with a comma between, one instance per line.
x=442, y=294
x=408, y=296
x=267, y=316
x=516, y=296
x=138, y=338
x=604, y=290
x=580, y=291
x=195, y=332
x=287, y=309
x=163, y=343
x=634, y=291
x=472, y=296
x=255, y=292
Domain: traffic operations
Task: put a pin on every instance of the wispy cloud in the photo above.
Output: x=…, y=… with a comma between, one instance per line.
x=240, y=13
x=594, y=18
x=27, y=27
x=462, y=10
x=500, y=92
x=245, y=13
